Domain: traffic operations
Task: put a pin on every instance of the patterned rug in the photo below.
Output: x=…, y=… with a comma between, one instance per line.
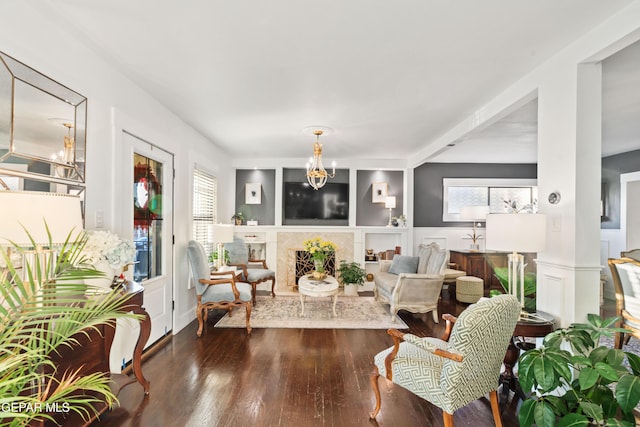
x=284, y=312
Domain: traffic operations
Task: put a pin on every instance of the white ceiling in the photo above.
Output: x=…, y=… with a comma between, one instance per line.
x=386, y=75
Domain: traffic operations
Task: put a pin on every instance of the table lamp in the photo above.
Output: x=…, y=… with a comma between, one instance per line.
x=29, y=211
x=516, y=233
x=219, y=234
x=390, y=203
x=474, y=214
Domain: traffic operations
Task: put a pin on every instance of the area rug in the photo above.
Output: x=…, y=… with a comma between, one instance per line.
x=284, y=312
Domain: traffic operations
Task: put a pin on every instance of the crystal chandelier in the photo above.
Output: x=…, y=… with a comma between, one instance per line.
x=316, y=173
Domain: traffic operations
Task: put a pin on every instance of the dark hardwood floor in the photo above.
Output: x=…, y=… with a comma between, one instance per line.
x=283, y=377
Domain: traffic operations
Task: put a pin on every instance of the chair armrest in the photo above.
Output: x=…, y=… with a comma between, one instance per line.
x=451, y=319
x=243, y=267
x=384, y=265
x=231, y=280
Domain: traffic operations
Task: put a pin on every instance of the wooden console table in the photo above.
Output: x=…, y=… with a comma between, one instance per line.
x=91, y=354
x=481, y=264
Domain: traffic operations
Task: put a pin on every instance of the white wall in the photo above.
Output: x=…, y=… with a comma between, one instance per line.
x=41, y=43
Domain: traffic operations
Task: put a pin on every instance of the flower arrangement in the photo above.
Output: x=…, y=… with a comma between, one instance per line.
x=103, y=245
x=318, y=248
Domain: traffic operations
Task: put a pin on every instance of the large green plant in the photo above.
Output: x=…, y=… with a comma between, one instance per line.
x=502, y=275
x=577, y=382
x=40, y=314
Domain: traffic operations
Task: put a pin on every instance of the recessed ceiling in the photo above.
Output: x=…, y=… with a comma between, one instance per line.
x=389, y=77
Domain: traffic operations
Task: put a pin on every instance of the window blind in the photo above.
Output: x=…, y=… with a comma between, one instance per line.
x=205, y=195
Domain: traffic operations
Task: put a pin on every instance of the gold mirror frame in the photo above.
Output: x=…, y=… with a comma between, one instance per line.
x=42, y=127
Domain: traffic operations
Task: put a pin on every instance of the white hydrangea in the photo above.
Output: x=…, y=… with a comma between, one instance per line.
x=103, y=245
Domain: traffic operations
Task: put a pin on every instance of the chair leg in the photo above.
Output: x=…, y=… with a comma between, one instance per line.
x=618, y=340
x=199, y=311
x=248, y=308
x=434, y=313
x=448, y=419
x=376, y=391
x=495, y=408
x=273, y=287
x=254, y=285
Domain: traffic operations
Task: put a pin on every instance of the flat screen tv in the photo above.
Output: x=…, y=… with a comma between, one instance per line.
x=302, y=202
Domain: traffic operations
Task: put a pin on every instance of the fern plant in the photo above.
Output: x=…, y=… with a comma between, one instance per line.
x=43, y=305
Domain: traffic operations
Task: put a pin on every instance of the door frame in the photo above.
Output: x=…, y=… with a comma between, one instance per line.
x=122, y=173
x=625, y=179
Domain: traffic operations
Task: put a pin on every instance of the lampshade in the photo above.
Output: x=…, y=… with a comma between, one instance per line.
x=220, y=233
x=31, y=209
x=390, y=202
x=516, y=232
x=474, y=213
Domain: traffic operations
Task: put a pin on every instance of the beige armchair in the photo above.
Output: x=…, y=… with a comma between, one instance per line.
x=412, y=283
x=626, y=280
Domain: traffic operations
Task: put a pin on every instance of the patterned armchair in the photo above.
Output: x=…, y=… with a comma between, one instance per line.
x=626, y=281
x=254, y=270
x=458, y=369
x=412, y=283
x=216, y=290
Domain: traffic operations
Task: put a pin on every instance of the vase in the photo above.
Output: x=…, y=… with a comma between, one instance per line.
x=318, y=265
x=105, y=281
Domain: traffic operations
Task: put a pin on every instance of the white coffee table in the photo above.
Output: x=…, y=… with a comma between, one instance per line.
x=326, y=287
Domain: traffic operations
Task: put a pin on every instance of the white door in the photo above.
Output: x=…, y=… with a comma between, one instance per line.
x=152, y=203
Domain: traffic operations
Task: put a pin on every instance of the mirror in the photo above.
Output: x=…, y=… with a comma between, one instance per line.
x=42, y=127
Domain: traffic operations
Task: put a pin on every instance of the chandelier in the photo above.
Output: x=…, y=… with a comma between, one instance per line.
x=66, y=157
x=316, y=173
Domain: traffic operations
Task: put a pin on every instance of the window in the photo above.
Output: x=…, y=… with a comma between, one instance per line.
x=459, y=192
x=205, y=206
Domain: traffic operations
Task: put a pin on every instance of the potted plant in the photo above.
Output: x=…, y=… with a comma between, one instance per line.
x=238, y=218
x=577, y=382
x=351, y=275
x=30, y=383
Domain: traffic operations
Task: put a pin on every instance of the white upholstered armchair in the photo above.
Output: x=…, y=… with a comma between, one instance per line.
x=412, y=283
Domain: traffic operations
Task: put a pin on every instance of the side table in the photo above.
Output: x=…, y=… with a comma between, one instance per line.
x=318, y=288
x=538, y=327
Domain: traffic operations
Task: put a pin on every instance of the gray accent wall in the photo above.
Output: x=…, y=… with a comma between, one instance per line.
x=264, y=213
x=375, y=214
x=428, y=188
x=612, y=168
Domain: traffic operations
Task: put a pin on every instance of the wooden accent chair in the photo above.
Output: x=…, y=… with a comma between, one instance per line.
x=458, y=369
x=216, y=290
x=412, y=283
x=254, y=270
x=626, y=281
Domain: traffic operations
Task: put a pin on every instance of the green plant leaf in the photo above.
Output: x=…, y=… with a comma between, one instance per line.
x=525, y=415
x=634, y=362
x=606, y=371
x=592, y=411
x=543, y=371
x=588, y=378
x=573, y=420
x=543, y=414
x=628, y=392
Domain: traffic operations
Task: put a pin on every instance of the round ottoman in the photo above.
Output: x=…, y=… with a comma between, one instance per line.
x=469, y=289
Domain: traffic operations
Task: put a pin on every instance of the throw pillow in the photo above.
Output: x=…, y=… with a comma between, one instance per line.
x=404, y=264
